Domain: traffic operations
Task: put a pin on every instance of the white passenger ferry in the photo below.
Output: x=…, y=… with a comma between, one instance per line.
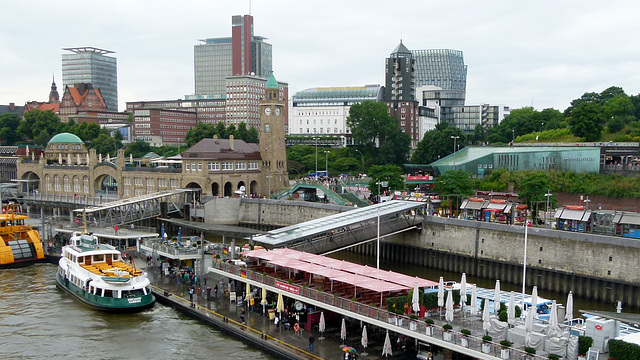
x=97, y=275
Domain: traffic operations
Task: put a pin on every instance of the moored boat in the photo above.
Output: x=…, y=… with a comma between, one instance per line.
x=97, y=275
x=20, y=244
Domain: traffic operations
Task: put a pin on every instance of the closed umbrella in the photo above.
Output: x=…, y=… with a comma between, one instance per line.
x=280, y=303
x=511, y=311
x=264, y=299
x=486, y=320
x=534, y=300
x=364, y=339
x=496, y=298
x=553, y=329
x=474, y=302
x=343, y=332
x=528, y=325
x=569, y=315
x=415, y=299
x=441, y=295
x=247, y=292
x=448, y=314
x=463, y=291
x=386, y=348
x=322, y=325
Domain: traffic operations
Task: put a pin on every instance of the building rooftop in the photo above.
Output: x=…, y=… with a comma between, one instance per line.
x=471, y=153
x=221, y=149
x=339, y=94
x=66, y=138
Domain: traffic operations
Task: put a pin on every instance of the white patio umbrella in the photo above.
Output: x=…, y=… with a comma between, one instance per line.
x=440, y=295
x=534, y=300
x=386, y=348
x=496, y=298
x=280, y=304
x=364, y=339
x=474, y=302
x=569, y=315
x=486, y=320
x=511, y=311
x=463, y=291
x=528, y=325
x=322, y=325
x=448, y=314
x=264, y=300
x=247, y=292
x=553, y=329
x=415, y=298
x=343, y=333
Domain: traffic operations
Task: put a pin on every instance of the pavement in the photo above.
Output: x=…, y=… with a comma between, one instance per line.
x=326, y=346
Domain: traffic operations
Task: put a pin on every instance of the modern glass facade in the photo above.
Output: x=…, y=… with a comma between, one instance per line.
x=91, y=66
x=212, y=65
x=443, y=68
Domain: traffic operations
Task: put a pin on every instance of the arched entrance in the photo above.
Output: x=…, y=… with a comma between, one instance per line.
x=228, y=189
x=197, y=186
x=242, y=187
x=215, y=189
x=253, y=187
x=32, y=183
x=108, y=186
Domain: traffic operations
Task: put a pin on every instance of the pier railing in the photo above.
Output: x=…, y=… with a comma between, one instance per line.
x=379, y=313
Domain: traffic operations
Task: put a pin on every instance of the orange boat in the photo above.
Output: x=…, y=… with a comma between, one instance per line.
x=19, y=243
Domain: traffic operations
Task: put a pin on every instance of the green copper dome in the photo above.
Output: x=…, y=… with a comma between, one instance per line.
x=65, y=138
x=272, y=83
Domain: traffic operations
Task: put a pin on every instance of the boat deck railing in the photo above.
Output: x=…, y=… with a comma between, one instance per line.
x=170, y=247
x=454, y=337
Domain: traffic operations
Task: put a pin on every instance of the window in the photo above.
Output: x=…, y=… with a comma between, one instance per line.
x=214, y=166
x=241, y=165
x=227, y=165
x=253, y=165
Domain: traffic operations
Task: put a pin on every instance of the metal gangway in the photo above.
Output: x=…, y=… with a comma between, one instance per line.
x=347, y=229
x=126, y=211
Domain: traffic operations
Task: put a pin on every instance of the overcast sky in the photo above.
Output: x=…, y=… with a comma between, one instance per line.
x=540, y=53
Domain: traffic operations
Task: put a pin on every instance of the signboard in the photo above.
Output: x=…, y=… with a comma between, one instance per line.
x=287, y=287
x=573, y=207
x=593, y=354
x=232, y=296
x=419, y=178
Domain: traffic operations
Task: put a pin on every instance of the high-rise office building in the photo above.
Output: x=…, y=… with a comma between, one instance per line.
x=400, y=75
x=443, y=68
x=215, y=59
x=89, y=65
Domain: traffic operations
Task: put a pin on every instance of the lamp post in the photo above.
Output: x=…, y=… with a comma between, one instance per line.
x=316, y=139
x=455, y=139
x=269, y=179
x=326, y=162
x=358, y=151
x=586, y=203
x=378, y=238
x=513, y=135
x=546, y=210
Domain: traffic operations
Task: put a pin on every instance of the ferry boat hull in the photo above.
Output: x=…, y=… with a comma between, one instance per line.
x=20, y=244
x=133, y=304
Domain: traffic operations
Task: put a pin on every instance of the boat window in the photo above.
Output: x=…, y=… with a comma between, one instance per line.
x=81, y=260
x=108, y=257
x=19, y=222
x=108, y=293
x=98, y=258
x=2, y=224
x=87, y=260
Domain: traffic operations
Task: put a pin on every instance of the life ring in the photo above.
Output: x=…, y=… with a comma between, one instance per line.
x=198, y=290
x=598, y=327
x=296, y=327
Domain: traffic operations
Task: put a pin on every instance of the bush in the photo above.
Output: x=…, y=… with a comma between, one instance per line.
x=429, y=321
x=413, y=317
x=553, y=357
x=487, y=338
x=503, y=316
x=530, y=350
x=584, y=343
x=447, y=327
x=622, y=350
x=506, y=343
x=466, y=332
x=518, y=311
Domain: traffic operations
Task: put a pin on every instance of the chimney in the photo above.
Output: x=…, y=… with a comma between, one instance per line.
x=231, y=142
x=12, y=106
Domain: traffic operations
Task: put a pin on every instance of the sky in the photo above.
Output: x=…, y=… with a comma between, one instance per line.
x=540, y=53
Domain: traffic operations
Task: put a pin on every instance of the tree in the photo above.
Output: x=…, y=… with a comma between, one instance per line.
x=242, y=132
x=437, y=143
x=532, y=188
x=454, y=182
x=389, y=173
x=231, y=130
x=252, y=136
x=42, y=138
x=9, y=129
x=199, y=132
x=586, y=121
x=370, y=123
x=138, y=149
x=36, y=121
x=396, y=149
x=221, y=130
x=105, y=144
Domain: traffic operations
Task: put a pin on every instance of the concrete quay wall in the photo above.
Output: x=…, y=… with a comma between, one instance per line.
x=278, y=213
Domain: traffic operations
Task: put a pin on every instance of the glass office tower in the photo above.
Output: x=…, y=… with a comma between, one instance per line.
x=90, y=65
x=443, y=68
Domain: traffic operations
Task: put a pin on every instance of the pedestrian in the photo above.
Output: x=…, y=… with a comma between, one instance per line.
x=215, y=292
x=242, y=312
x=311, y=340
x=205, y=279
x=191, y=294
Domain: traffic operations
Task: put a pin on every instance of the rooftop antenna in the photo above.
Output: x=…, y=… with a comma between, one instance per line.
x=249, y=7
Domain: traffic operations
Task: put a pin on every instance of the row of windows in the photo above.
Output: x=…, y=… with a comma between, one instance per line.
x=79, y=187
x=225, y=166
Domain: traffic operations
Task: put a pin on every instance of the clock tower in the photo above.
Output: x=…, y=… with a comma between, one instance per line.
x=272, y=140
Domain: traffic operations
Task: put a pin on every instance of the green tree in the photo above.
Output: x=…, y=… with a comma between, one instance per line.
x=242, y=132
x=396, y=149
x=104, y=144
x=346, y=165
x=437, y=143
x=42, y=138
x=36, y=121
x=231, y=130
x=370, y=122
x=586, y=121
x=221, y=130
x=452, y=182
x=9, y=129
x=252, y=136
x=532, y=188
x=138, y=149
x=199, y=132
x=390, y=173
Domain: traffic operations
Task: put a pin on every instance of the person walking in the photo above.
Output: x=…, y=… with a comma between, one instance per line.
x=312, y=339
x=242, y=313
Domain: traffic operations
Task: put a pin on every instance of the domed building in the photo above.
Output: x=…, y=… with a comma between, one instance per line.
x=66, y=148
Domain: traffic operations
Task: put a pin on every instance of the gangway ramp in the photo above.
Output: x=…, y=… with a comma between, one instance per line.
x=347, y=229
x=130, y=210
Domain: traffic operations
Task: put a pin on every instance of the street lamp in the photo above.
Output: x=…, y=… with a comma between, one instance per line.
x=269, y=178
x=358, y=151
x=513, y=135
x=548, y=194
x=586, y=202
x=316, y=139
x=455, y=139
x=326, y=162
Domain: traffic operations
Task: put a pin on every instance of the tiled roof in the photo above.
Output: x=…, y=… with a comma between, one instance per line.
x=220, y=149
x=53, y=107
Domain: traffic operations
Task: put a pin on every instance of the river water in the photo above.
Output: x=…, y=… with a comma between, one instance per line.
x=40, y=321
